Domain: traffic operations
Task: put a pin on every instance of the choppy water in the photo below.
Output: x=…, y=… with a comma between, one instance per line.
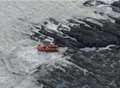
x=19, y=58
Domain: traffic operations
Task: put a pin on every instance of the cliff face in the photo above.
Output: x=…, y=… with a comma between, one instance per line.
x=88, y=40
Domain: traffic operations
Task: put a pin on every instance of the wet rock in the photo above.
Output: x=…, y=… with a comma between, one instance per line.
x=88, y=69
x=98, y=68
x=93, y=3
x=116, y=4
x=93, y=33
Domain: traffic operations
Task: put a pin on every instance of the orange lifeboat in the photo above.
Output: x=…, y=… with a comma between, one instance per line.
x=47, y=48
